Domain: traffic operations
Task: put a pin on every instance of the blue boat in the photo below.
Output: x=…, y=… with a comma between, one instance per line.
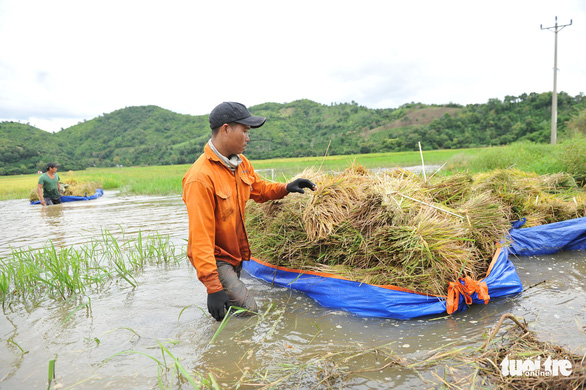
x=71, y=198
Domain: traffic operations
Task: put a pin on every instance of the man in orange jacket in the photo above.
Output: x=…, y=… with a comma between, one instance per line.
x=215, y=190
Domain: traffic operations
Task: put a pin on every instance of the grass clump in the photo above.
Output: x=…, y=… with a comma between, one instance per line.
x=62, y=272
x=567, y=156
x=397, y=228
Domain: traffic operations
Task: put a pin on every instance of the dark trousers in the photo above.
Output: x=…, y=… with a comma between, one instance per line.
x=235, y=288
x=50, y=201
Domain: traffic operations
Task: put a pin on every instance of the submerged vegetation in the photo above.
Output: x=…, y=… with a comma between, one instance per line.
x=30, y=274
x=400, y=228
x=481, y=362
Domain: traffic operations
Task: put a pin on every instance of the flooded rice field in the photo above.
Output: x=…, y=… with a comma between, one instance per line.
x=121, y=336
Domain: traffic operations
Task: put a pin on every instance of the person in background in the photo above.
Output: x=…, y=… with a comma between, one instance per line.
x=48, y=188
x=215, y=190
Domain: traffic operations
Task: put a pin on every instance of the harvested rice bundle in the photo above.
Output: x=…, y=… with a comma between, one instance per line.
x=488, y=221
x=557, y=182
x=404, y=194
x=392, y=229
x=331, y=203
x=550, y=208
x=381, y=276
x=277, y=233
x=511, y=186
x=450, y=189
x=540, y=199
x=74, y=188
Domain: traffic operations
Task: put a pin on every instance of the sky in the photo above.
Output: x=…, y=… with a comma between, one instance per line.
x=63, y=62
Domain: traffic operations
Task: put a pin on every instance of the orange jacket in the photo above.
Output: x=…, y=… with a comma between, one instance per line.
x=215, y=200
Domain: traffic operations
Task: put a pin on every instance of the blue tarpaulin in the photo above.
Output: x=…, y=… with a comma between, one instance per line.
x=70, y=198
x=394, y=302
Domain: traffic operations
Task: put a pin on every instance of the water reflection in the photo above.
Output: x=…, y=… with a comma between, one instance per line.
x=73, y=223
x=53, y=220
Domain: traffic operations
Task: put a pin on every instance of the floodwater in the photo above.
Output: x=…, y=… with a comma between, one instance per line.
x=113, y=343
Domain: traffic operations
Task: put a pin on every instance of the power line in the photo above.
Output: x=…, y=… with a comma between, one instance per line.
x=554, y=101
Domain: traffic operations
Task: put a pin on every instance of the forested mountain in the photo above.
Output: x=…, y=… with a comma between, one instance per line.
x=149, y=135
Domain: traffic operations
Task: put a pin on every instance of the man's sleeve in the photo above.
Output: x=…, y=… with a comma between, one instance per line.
x=200, y=202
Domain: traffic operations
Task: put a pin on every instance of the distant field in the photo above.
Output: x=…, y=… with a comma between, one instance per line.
x=163, y=180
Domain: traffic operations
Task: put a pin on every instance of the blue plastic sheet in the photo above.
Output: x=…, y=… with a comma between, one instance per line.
x=551, y=238
x=393, y=302
x=69, y=198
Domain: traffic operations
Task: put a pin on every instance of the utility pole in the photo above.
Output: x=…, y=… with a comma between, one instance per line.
x=554, y=99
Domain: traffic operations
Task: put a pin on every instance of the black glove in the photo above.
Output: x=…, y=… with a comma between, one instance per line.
x=299, y=184
x=217, y=302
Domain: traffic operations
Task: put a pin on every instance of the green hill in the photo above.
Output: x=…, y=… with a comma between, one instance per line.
x=150, y=135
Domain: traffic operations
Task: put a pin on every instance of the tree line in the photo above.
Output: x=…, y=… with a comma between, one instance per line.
x=150, y=135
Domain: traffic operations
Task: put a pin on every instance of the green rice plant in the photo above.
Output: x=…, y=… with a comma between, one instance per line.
x=181, y=370
x=232, y=311
x=51, y=372
x=5, y=280
x=86, y=305
x=62, y=272
x=11, y=341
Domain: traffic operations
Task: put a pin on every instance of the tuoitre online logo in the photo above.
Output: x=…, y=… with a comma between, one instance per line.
x=535, y=367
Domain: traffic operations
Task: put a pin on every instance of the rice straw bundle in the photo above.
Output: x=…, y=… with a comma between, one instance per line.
x=331, y=204
x=450, y=189
x=487, y=219
x=395, y=228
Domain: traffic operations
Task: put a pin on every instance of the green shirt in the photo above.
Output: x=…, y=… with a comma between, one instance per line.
x=50, y=186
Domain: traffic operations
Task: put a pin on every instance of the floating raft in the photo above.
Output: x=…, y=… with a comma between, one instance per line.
x=71, y=198
x=395, y=302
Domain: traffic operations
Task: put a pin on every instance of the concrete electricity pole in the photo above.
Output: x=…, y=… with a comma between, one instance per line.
x=554, y=100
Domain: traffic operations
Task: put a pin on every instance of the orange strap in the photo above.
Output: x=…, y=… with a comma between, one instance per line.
x=470, y=287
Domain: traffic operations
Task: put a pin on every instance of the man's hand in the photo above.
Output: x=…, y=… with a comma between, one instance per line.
x=299, y=184
x=217, y=302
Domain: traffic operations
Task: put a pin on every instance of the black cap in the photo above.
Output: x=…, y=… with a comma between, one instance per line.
x=234, y=112
x=51, y=165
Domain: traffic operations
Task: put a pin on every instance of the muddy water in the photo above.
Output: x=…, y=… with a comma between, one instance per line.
x=111, y=343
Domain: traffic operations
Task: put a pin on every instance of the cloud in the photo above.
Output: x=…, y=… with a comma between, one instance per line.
x=69, y=60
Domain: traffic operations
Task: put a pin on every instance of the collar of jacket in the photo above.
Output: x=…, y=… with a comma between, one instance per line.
x=214, y=156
